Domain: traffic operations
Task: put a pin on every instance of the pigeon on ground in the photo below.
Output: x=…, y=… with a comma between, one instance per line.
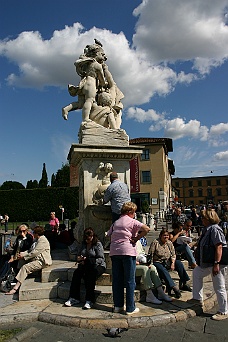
x=114, y=332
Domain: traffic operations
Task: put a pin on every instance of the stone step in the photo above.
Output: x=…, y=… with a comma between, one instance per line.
x=32, y=289
x=56, y=280
x=104, y=280
x=57, y=272
x=64, y=272
x=103, y=293
x=59, y=255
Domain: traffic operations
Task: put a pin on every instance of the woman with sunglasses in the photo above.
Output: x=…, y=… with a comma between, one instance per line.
x=34, y=260
x=23, y=242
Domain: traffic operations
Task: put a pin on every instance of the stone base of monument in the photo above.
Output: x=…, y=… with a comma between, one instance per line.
x=95, y=163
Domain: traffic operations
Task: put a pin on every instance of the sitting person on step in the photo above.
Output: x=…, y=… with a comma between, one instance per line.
x=23, y=242
x=91, y=265
x=164, y=259
x=150, y=277
x=181, y=242
x=34, y=259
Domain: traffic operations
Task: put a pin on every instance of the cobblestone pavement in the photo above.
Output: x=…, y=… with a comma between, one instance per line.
x=200, y=328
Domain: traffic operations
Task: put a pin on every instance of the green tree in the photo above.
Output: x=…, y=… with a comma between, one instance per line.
x=32, y=184
x=11, y=185
x=53, y=179
x=62, y=177
x=43, y=183
x=145, y=207
x=29, y=184
x=35, y=184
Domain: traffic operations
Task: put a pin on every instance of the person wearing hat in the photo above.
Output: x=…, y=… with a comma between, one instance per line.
x=118, y=194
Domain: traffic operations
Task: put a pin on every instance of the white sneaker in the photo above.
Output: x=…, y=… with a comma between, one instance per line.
x=118, y=309
x=88, y=305
x=153, y=300
x=72, y=302
x=133, y=312
x=165, y=298
x=219, y=316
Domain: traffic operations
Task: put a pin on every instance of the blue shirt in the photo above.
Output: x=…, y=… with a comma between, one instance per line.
x=118, y=194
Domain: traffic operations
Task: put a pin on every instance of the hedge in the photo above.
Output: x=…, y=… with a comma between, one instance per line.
x=36, y=204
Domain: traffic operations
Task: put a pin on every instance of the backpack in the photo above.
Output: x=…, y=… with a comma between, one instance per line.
x=7, y=281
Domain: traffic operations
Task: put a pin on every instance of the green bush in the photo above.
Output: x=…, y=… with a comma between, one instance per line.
x=36, y=204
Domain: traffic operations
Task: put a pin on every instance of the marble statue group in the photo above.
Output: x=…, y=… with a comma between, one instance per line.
x=98, y=96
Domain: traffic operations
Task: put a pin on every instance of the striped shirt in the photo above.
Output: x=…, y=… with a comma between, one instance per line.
x=118, y=194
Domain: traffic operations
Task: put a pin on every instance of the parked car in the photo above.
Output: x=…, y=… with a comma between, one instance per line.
x=188, y=212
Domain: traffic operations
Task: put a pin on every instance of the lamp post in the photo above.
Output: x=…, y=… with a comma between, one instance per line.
x=62, y=210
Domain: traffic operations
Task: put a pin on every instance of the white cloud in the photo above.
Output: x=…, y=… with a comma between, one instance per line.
x=221, y=156
x=216, y=135
x=190, y=30
x=218, y=129
x=50, y=62
x=141, y=115
x=176, y=128
x=166, y=31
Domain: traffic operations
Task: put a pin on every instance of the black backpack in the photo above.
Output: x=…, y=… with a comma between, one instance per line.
x=8, y=281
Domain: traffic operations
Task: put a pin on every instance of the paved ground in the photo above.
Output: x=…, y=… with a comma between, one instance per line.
x=200, y=328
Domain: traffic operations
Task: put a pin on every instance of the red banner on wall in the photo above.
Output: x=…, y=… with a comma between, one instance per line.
x=134, y=175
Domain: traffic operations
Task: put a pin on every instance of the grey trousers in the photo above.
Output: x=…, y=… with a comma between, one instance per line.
x=149, y=276
x=28, y=268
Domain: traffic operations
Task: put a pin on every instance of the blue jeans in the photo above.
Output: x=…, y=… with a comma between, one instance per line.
x=123, y=274
x=186, y=250
x=165, y=275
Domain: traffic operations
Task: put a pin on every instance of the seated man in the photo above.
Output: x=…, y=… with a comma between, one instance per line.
x=180, y=242
x=178, y=216
x=35, y=260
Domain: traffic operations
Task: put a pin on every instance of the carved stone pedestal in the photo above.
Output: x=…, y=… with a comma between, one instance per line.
x=94, y=179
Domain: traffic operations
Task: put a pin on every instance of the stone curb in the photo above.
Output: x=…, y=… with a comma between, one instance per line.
x=128, y=322
x=18, y=318
x=132, y=322
x=21, y=336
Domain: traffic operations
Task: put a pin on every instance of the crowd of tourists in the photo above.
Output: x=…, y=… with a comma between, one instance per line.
x=31, y=251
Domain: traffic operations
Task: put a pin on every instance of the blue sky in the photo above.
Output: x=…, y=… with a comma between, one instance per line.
x=170, y=59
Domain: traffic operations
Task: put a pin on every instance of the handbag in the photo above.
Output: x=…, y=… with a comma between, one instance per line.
x=208, y=256
x=5, y=286
x=7, y=281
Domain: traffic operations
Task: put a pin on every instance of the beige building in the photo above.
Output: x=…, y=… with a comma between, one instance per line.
x=201, y=190
x=151, y=174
